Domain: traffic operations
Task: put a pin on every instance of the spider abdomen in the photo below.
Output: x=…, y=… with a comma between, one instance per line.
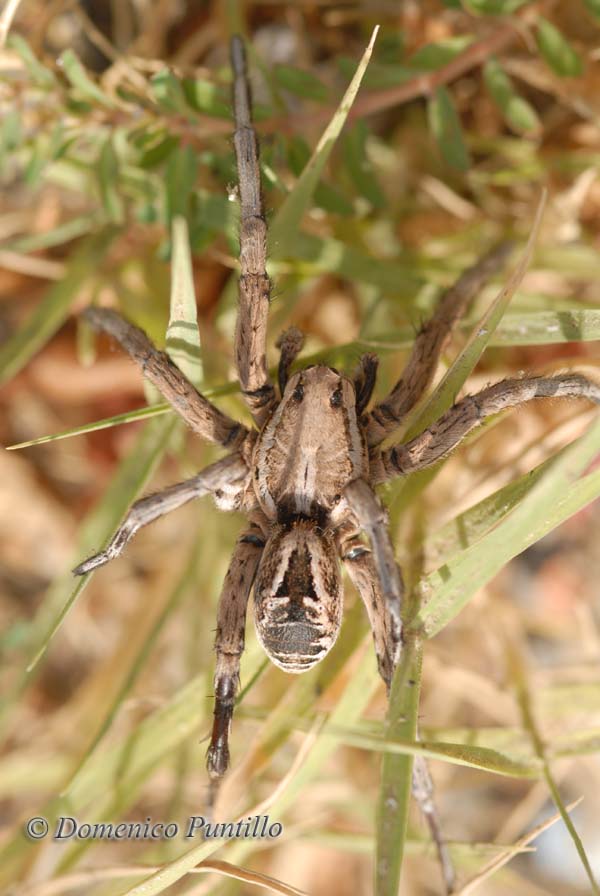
x=298, y=596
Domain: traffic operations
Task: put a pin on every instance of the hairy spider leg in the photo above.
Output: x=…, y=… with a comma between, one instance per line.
x=229, y=644
x=254, y=284
x=197, y=411
x=445, y=434
x=387, y=415
x=225, y=480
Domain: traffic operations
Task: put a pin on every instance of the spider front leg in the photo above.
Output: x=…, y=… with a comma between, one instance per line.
x=420, y=369
x=225, y=480
x=254, y=286
x=444, y=435
x=229, y=644
x=199, y=414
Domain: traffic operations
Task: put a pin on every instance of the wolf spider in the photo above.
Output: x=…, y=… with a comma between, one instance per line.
x=306, y=474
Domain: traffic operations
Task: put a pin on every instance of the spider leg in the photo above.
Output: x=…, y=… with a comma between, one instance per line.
x=387, y=636
x=384, y=618
x=444, y=435
x=199, y=414
x=224, y=479
x=229, y=645
x=422, y=790
x=254, y=285
x=290, y=345
x=371, y=516
x=364, y=380
x=420, y=369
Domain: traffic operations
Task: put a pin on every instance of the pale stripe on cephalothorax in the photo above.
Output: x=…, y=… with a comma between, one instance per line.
x=312, y=446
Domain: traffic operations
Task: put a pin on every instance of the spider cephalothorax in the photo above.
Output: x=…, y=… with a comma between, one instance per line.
x=298, y=471
x=306, y=474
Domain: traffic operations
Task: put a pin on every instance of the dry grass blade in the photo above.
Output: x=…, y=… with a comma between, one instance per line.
x=174, y=871
x=284, y=230
x=94, y=877
x=263, y=881
x=530, y=724
x=6, y=19
x=499, y=861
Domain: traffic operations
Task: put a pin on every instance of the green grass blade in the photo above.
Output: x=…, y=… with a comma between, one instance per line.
x=348, y=708
x=183, y=336
x=286, y=222
x=517, y=111
x=520, y=328
x=549, y=327
x=574, y=835
x=557, y=51
x=51, y=313
x=481, y=758
x=56, y=236
x=553, y=498
x=136, y=753
x=445, y=125
x=468, y=527
x=170, y=873
x=38, y=72
x=362, y=844
x=396, y=772
x=515, y=328
x=577, y=744
x=154, y=410
x=79, y=78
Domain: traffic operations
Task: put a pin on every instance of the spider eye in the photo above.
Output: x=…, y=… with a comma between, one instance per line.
x=298, y=393
x=336, y=398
